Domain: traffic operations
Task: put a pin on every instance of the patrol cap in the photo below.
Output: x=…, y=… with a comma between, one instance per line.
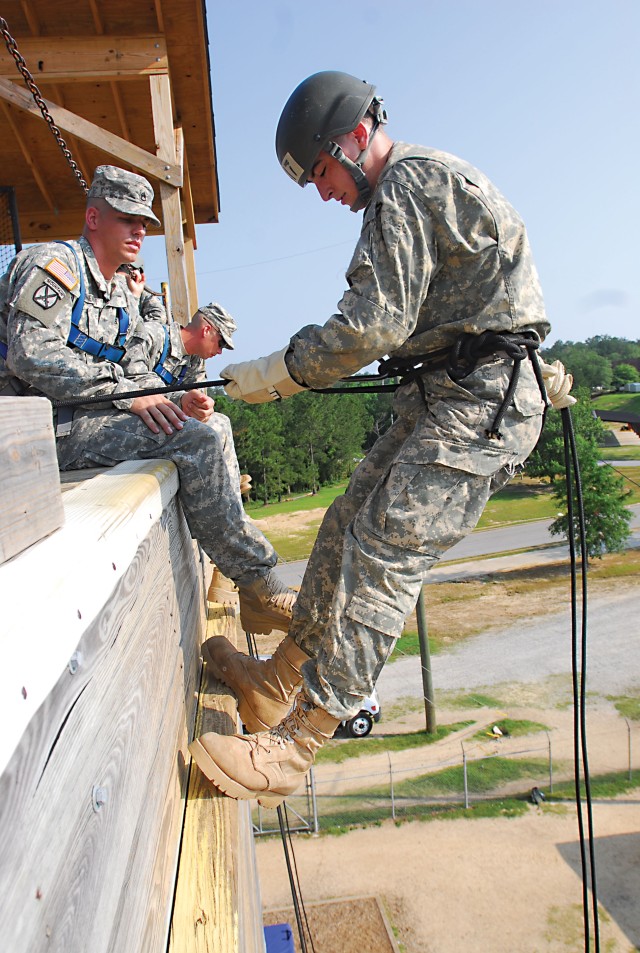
x=221, y=320
x=125, y=191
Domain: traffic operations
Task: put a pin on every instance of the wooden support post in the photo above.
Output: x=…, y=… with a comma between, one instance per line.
x=181, y=306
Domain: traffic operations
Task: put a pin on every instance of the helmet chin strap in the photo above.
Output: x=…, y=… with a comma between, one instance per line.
x=355, y=168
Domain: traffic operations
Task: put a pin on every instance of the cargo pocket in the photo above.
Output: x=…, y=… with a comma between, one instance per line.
x=425, y=508
x=376, y=615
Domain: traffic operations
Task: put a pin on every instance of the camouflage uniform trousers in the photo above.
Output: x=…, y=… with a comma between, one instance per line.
x=209, y=492
x=420, y=490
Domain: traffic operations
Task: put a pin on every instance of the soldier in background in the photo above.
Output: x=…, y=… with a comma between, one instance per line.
x=66, y=321
x=177, y=356
x=442, y=284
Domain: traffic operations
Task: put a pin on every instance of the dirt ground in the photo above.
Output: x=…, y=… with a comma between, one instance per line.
x=491, y=885
x=500, y=885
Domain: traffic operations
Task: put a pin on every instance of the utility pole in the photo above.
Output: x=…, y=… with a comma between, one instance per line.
x=425, y=658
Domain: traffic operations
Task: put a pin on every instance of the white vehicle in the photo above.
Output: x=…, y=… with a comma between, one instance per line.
x=361, y=724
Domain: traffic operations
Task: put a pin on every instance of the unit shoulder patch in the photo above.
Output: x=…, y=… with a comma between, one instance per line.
x=42, y=297
x=61, y=273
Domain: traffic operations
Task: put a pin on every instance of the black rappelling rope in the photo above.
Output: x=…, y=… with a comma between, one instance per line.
x=579, y=676
x=367, y=382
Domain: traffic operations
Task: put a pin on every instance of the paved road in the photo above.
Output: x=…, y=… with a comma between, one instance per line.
x=484, y=543
x=532, y=651
x=524, y=652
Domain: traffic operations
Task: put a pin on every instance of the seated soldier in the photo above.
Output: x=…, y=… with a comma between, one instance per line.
x=64, y=330
x=177, y=356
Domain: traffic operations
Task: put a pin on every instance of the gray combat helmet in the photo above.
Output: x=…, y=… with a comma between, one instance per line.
x=322, y=107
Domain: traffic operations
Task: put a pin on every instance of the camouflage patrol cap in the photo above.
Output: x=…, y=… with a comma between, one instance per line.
x=125, y=191
x=221, y=320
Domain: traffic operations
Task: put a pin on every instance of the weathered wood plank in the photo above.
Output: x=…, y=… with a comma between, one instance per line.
x=217, y=904
x=53, y=590
x=87, y=58
x=30, y=499
x=84, y=868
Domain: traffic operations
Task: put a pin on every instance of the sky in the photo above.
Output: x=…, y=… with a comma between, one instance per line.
x=542, y=95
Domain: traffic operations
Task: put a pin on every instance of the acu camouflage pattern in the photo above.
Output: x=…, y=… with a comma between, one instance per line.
x=151, y=307
x=221, y=320
x=125, y=191
x=36, y=335
x=145, y=350
x=441, y=252
x=41, y=363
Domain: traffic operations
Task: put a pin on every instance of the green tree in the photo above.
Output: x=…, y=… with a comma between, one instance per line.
x=616, y=349
x=606, y=515
x=259, y=442
x=625, y=374
x=589, y=368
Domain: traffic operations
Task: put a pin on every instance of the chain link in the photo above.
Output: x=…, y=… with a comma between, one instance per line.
x=35, y=92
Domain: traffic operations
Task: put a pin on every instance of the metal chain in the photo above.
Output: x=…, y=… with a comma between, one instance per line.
x=35, y=92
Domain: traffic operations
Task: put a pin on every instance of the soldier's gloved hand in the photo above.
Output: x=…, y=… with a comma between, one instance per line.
x=259, y=381
x=558, y=384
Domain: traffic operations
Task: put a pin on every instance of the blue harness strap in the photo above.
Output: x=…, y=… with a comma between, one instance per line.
x=3, y=350
x=161, y=370
x=77, y=338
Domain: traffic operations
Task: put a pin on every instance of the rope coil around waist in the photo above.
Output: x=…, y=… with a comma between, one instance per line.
x=462, y=359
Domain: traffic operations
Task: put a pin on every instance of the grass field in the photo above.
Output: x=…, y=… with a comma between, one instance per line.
x=521, y=501
x=630, y=402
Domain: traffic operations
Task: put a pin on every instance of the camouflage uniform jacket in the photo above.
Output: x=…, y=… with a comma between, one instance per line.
x=35, y=318
x=151, y=307
x=145, y=350
x=441, y=252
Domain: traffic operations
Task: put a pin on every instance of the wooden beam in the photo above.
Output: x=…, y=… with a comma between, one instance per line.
x=159, y=168
x=181, y=306
x=120, y=110
x=97, y=19
x=30, y=16
x=75, y=146
x=190, y=267
x=87, y=58
x=159, y=15
x=187, y=195
x=28, y=158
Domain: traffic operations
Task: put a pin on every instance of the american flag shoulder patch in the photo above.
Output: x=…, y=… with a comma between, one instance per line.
x=58, y=270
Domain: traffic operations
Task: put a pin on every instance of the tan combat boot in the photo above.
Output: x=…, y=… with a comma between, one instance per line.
x=264, y=688
x=269, y=765
x=265, y=604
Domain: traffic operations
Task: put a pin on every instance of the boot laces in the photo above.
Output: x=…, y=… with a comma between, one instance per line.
x=280, y=595
x=283, y=734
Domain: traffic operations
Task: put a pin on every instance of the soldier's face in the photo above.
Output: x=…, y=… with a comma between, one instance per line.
x=211, y=342
x=333, y=181
x=122, y=234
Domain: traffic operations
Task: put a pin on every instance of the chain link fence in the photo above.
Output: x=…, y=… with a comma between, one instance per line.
x=414, y=785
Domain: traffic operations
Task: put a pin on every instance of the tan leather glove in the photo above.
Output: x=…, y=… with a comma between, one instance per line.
x=558, y=384
x=245, y=484
x=257, y=382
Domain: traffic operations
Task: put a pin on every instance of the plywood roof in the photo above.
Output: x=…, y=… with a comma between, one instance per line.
x=98, y=60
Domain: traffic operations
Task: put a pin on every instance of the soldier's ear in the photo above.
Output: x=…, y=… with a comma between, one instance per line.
x=91, y=216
